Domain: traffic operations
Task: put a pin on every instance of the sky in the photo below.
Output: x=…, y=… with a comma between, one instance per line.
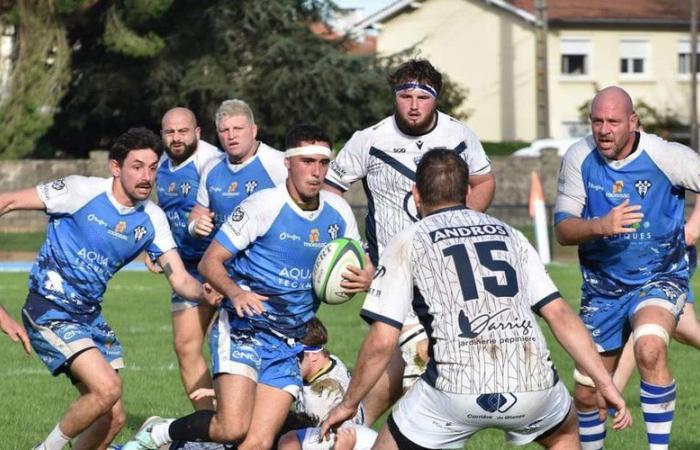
x=369, y=5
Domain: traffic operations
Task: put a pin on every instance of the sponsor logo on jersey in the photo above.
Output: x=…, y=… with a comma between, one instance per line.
x=292, y=237
x=231, y=190
x=120, y=227
x=185, y=188
x=93, y=257
x=419, y=144
x=139, y=233
x=467, y=231
x=380, y=272
x=594, y=187
x=294, y=277
x=97, y=220
x=171, y=187
x=472, y=328
x=398, y=150
x=250, y=186
x=617, y=188
x=642, y=187
x=58, y=184
x=496, y=402
x=337, y=169
x=416, y=159
x=314, y=234
x=333, y=230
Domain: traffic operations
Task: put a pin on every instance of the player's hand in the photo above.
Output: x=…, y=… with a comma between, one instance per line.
x=202, y=393
x=339, y=414
x=212, y=297
x=248, y=303
x=356, y=279
x=204, y=224
x=608, y=396
x=16, y=332
x=692, y=231
x=153, y=266
x=345, y=439
x=621, y=219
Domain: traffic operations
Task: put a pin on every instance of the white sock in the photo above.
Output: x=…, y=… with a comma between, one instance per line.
x=160, y=433
x=56, y=440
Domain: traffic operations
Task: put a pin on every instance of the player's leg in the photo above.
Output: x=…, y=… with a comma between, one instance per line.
x=652, y=327
x=101, y=433
x=688, y=329
x=565, y=436
x=625, y=367
x=270, y=411
x=190, y=324
x=387, y=390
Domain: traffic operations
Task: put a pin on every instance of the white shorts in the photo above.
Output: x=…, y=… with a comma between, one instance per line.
x=436, y=419
x=309, y=438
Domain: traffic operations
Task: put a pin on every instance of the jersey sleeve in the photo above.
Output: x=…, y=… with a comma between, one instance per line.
x=680, y=163
x=540, y=288
x=389, y=297
x=351, y=164
x=571, y=193
x=345, y=210
x=474, y=154
x=203, y=191
x=250, y=220
x=163, y=238
x=273, y=162
x=69, y=194
x=205, y=153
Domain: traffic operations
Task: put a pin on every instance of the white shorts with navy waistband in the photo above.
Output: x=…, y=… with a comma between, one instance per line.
x=435, y=419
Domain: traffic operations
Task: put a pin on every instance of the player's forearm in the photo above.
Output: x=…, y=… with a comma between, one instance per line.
x=574, y=231
x=373, y=358
x=481, y=193
x=573, y=336
x=214, y=271
x=27, y=199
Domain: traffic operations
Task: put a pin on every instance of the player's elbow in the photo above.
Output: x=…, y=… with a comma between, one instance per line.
x=561, y=233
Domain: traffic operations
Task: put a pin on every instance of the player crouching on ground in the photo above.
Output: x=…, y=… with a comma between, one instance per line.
x=473, y=282
x=96, y=227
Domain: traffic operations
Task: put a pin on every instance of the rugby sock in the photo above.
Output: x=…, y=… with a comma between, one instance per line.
x=194, y=427
x=159, y=433
x=658, y=405
x=56, y=440
x=591, y=430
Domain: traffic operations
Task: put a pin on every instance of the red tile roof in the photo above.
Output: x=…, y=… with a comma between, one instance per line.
x=651, y=11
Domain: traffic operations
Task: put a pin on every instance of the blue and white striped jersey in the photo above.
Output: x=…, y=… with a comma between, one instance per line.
x=386, y=160
x=176, y=187
x=90, y=236
x=655, y=176
x=275, y=244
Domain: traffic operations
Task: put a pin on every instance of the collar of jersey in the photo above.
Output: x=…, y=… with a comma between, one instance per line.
x=308, y=215
x=620, y=163
x=121, y=209
x=237, y=167
x=447, y=208
x=324, y=370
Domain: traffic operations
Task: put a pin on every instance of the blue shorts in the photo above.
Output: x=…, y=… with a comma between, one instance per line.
x=691, y=256
x=609, y=319
x=58, y=336
x=263, y=356
x=178, y=303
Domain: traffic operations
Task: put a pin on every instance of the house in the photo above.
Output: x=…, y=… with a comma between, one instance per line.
x=489, y=48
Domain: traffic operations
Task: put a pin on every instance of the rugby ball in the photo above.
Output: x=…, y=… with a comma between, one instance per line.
x=331, y=262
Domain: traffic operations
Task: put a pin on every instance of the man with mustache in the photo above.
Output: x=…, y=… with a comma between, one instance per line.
x=272, y=239
x=96, y=227
x=621, y=200
x=385, y=156
x=177, y=182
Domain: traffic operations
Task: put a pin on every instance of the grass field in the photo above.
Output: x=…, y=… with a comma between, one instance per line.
x=137, y=307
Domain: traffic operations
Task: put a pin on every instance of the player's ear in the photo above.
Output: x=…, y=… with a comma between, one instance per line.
x=115, y=168
x=469, y=190
x=197, y=131
x=416, y=195
x=287, y=163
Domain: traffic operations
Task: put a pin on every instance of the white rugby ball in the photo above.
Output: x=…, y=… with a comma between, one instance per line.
x=331, y=262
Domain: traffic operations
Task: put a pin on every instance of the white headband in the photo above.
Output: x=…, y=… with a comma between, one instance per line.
x=308, y=150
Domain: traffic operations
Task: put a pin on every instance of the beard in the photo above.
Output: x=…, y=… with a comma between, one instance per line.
x=186, y=153
x=415, y=128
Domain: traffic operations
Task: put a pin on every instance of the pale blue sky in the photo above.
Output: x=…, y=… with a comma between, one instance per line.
x=369, y=5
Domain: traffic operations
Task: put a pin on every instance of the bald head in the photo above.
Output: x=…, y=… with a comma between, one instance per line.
x=613, y=122
x=180, y=133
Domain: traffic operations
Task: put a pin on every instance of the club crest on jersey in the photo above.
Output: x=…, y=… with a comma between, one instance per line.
x=58, y=184
x=139, y=233
x=185, y=188
x=120, y=227
x=333, y=230
x=416, y=159
x=642, y=187
x=237, y=215
x=250, y=186
x=314, y=234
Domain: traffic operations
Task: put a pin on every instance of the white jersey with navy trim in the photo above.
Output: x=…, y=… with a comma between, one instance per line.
x=224, y=185
x=325, y=391
x=655, y=176
x=386, y=159
x=275, y=244
x=473, y=282
x=176, y=188
x=90, y=236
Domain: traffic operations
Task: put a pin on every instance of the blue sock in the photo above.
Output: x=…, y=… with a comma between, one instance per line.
x=591, y=430
x=658, y=405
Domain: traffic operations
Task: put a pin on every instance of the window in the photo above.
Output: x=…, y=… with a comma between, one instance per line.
x=634, y=56
x=684, y=57
x=575, y=54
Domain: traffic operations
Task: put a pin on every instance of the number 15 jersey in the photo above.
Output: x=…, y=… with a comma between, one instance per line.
x=473, y=282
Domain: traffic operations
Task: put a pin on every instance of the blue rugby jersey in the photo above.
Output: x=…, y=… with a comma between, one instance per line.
x=89, y=237
x=176, y=187
x=655, y=176
x=275, y=244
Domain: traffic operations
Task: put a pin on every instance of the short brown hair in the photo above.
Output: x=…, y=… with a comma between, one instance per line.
x=316, y=334
x=419, y=70
x=442, y=177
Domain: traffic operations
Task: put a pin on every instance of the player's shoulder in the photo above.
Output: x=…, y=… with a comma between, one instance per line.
x=581, y=149
x=381, y=128
x=205, y=154
x=336, y=202
x=153, y=211
x=656, y=145
x=210, y=165
x=453, y=124
x=266, y=200
x=270, y=155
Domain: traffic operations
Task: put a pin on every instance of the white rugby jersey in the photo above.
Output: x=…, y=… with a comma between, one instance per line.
x=90, y=236
x=386, y=160
x=326, y=390
x=473, y=282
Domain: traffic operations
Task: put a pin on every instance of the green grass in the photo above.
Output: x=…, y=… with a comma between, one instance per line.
x=21, y=242
x=137, y=307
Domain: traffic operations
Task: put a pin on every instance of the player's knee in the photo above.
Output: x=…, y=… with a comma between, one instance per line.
x=289, y=441
x=584, y=397
x=650, y=353
x=108, y=392
x=227, y=429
